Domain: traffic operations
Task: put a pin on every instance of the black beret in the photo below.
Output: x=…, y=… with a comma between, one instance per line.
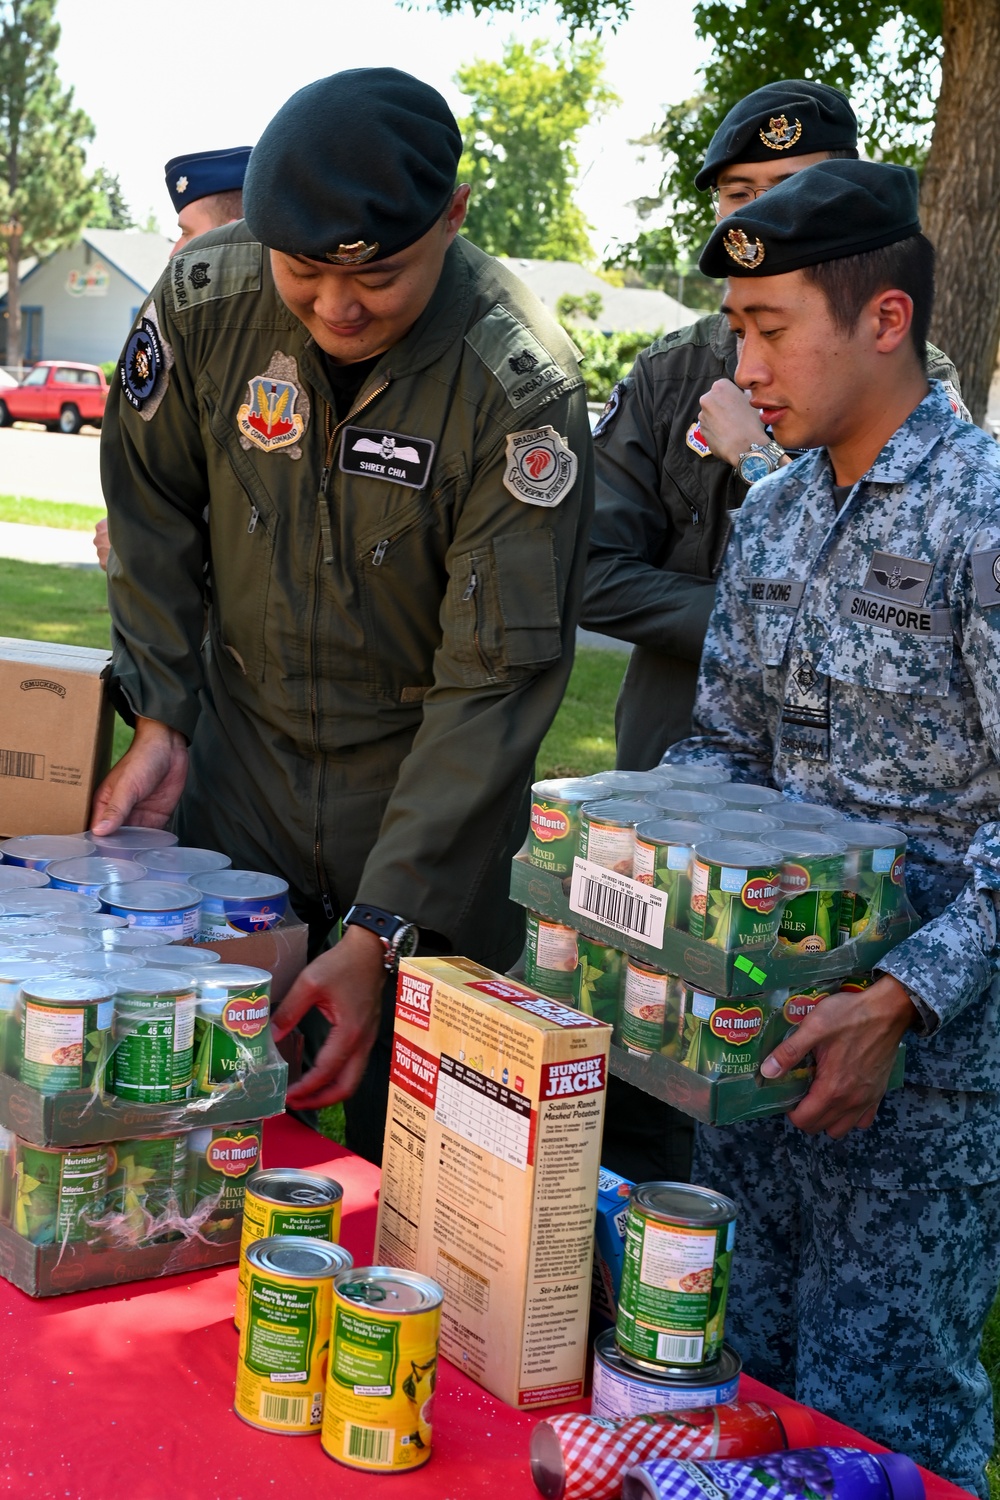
x=200, y=173
x=792, y=117
x=832, y=209
x=353, y=167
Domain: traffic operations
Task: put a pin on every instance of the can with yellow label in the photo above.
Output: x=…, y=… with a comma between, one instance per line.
x=285, y=1338
x=282, y=1201
x=383, y=1369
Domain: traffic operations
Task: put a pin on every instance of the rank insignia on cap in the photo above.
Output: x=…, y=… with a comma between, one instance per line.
x=695, y=440
x=269, y=420
x=779, y=135
x=541, y=466
x=744, y=251
x=181, y=185
x=140, y=364
x=352, y=255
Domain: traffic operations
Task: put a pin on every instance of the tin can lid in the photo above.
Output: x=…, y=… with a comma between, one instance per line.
x=682, y=800
x=682, y=1203
x=131, y=838
x=234, y=885
x=738, y=853
x=64, y=944
x=150, y=895
x=147, y=981
x=17, y=928
x=107, y=961
x=566, y=789
x=871, y=835
x=170, y=956
x=693, y=775
x=290, y=1185
x=69, y=990
x=181, y=860
x=616, y=810
x=806, y=814
x=625, y=781
x=388, y=1290
x=90, y=921
x=43, y=903
x=750, y=824
x=670, y=831
x=235, y=976
x=46, y=846
x=745, y=794
x=21, y=877
x=14, y=970
x=94, y=871
x=806, y=843
x=299, y=1258
x=719, y=1371
x=143, y=938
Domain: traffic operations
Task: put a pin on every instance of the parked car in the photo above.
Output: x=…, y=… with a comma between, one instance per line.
x=63, y=395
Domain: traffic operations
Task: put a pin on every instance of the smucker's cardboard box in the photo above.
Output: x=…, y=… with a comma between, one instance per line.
x=55, y=743
x=490, y=1168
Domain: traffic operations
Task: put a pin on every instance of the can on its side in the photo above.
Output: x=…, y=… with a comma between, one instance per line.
x=153, y=1058
x=620, y=1390
x=554, y=829
x=383, y=1369
x=65, y=1026
x=285, y=1338
x=232, y=1025
x=237, y=902
x=59, y=1193
x=550, y=957
x=282, y=1201
x=220, y=1160
x=146, y=1181
x=678, y=1251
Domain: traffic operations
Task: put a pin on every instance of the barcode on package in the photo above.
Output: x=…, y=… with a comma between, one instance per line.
x=373, y=1445
x=22, y=763
x=626, y=905
x=290, y=1411
x=672, y=1346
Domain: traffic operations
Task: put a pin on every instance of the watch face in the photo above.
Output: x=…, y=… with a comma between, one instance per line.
x=754, y=466
x=405, y=942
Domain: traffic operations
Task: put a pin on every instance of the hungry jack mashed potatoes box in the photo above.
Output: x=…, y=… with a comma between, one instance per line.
x=489, y=1172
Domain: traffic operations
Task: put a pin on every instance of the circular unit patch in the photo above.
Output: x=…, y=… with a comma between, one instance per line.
x=141, y=364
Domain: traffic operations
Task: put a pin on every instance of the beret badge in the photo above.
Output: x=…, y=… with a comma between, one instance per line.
x=353, y=255
x=779, y=135
x=744, y=251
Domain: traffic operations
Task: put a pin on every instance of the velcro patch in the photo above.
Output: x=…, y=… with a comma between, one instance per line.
x=901, y=579
x=986, y=577
x=611, y=409
x=373, y=453
x=205, y=274
x=541, y=466
x=901, y=618
x=695, y=440
x=783, y=593
x=523, y=366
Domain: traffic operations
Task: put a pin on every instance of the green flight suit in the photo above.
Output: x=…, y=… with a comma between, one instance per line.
x=390, y=626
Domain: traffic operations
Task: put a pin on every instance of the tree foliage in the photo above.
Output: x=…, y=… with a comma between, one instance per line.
x=110, y=210
x=46, y=196
x=526, y=115
x=576, y=15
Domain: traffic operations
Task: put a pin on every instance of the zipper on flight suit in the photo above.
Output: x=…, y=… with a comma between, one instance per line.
x=326, y=556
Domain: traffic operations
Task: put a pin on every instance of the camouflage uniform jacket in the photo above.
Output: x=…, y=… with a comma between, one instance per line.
x=853, y=657
x=664, y=504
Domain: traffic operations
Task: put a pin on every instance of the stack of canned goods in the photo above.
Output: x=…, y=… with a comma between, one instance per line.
x=667, y=1350
x=328, y=1348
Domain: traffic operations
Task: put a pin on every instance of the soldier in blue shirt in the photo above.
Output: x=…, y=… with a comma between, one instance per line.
x=869, y=1230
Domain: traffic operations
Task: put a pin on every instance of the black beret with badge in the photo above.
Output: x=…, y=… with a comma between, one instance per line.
x=353, y=168
x=824, y=212
x=793, y=117
x=202, y=173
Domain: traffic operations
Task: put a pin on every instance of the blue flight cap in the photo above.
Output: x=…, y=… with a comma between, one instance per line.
x=200, y=173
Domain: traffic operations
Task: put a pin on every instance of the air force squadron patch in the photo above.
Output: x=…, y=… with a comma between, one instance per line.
x=145, y=365
x=695, y=439
x=541, y=466
x=268, y=419
x=611, y=409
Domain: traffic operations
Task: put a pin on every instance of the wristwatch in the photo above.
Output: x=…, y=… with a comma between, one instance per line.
x=399, y=938
x=761, y=460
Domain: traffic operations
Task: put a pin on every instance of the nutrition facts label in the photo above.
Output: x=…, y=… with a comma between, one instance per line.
x=483, y=1111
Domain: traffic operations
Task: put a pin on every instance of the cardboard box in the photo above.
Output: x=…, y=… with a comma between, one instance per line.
x=282, y=951
x=609, y=1245
x=55, y=744
x=51, y=1270
x=489, y=1175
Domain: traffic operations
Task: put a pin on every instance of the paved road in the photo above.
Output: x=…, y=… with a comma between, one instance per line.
x=48, y=466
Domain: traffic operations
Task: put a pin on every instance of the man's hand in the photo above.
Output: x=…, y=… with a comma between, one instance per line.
x=853, y=1037
x=102, y=543
x=145, y=786
x=346, y=986
x=728, y=422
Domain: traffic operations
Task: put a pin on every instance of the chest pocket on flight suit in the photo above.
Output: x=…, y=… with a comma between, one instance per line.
x=502, y=613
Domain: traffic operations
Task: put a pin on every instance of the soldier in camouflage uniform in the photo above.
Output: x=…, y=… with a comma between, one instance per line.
x=868, y=1256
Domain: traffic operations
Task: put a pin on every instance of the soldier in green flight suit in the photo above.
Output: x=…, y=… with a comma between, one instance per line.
x=390, y=436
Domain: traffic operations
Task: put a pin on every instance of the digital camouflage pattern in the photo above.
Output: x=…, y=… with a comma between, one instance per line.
x=853, y=657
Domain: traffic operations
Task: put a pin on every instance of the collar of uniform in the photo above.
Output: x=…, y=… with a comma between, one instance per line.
x=910, y=444
x=724, y=342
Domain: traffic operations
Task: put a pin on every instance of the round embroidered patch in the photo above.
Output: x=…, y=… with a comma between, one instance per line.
x=140, y=364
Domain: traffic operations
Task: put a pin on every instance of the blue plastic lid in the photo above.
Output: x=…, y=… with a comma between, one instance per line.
x=903, y=1475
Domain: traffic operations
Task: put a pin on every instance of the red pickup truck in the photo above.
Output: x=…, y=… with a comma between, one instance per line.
x=62, y=395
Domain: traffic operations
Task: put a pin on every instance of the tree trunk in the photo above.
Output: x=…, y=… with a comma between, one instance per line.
x=960, y=195
x=13, y=302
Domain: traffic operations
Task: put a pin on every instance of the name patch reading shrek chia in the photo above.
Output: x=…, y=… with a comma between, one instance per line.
x=395, y=456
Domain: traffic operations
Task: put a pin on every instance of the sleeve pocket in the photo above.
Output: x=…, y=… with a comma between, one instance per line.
x=528, y=594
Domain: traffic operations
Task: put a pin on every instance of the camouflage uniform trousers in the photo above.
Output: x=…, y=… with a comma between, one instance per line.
x=866, y=1303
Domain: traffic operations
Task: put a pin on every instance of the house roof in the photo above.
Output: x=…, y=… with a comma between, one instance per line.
x=139, y=256
x=622, y=308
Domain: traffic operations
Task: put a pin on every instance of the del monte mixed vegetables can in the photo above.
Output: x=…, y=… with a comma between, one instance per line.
x=812, y=883
x=874, y=879
x=735, y=891
x=554, y=834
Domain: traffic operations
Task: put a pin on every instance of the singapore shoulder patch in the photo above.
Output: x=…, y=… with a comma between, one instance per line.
x=205, y=274
x=541, y=466
x=523, y=366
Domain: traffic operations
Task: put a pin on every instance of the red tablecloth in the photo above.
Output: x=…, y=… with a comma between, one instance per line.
x=128, y=1391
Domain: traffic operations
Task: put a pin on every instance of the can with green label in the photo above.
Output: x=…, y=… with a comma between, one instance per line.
x=146, y=1187
x=735, y=890
x=65, y=1033
x=607, y=832
x=554, y=829
x=232, y=1025
x=16, y=971
x=734, y=822
x=684, y=802
x=812, y=885
x=649, y=997
x=874, y=879
x=220, y=1159
x=59, y=1194
x=749, y=797
x=662, y=859
x=817, y=815
x=153, y=1059
x=725, y=1037
x=282, y=1201
x=550, y=957
x=8, y=1144
x=600, y=974
x=675, y=1276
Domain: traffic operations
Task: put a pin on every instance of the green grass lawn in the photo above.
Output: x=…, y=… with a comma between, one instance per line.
x=63, y=514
